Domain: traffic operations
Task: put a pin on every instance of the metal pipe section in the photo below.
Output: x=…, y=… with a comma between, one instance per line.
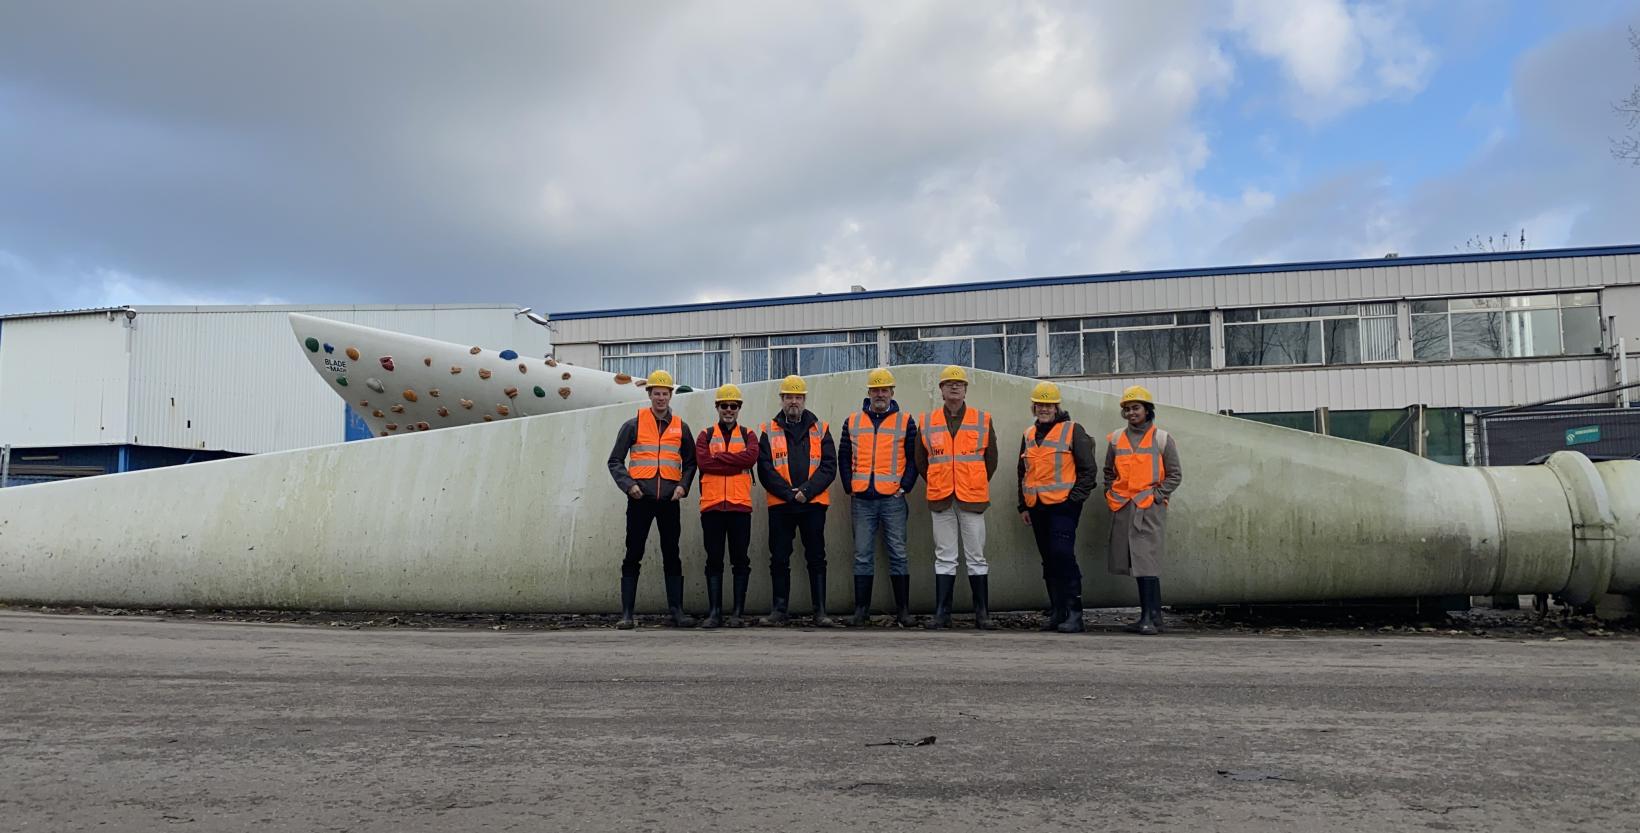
x=521, y=515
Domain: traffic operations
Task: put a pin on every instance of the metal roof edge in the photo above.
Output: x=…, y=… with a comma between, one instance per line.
x=236, y=308
x=1107, y=277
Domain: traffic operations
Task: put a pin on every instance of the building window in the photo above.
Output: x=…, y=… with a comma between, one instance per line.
x=1004, y=348
x=776, y=357
x=700, y=363
x=1129, y=344
x=1315, y=335
x=1508, y=327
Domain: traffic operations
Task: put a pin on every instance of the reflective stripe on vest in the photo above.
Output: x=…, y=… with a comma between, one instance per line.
x=1138, y=470
x=956, y=465
x=1050, y=470
x=734, y=489
x=878, y=463
x=779, y=456
x=656, y=451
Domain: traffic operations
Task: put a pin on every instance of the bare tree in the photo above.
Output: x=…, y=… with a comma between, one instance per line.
x=1502, y=243
x=1628, y=147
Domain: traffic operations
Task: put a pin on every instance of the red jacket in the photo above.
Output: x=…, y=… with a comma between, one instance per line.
x=725, y=463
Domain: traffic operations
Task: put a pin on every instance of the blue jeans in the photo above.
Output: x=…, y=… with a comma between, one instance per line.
x=888, y=514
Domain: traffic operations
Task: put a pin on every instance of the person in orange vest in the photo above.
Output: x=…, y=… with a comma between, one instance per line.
x=957, y=458
x=1057, y=473
x=796, y=462
x=653, y=462
x=1141, y=473
x=879, y=445
x=727, y=453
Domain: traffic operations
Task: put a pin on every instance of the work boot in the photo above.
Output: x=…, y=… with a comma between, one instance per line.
x=737, y=618
x=980, y=588
x=1070, y=603
x=862, y=601
x=817, y=594
x=714, y=602
x=902, y=600
x=629, y=601
x=1056, y=604
x=1144, y=626
x=674, y=603
x=1156, y=603
x=782, y=592
x=944, y=587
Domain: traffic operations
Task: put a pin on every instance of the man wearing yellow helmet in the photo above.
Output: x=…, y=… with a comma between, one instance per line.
x=653, y=462
x=727, y=453
x=1141, y=473
x=1057, y=473
x=796, y=462
x=957, y=458
x=878, y=446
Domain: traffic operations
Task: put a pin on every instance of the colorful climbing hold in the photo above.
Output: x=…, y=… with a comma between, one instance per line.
x=433, y=393
x=397, y=409
x=387, y=363
x=341, y=381
x=422, y=426
x=565, y=377
x=427, y=361
x=444, y=412
x=523, y=368
x=375, y=384
x=509, y=355
x=454, y=370
x=640, y=382
x=502, y=409
x=622, y=378
x=329, y=349
x=483, y=374
x=563, y=392
x=512, y=393
x=467, y=403
x=540, y=391
x=476, y=350
x=409, y=395
x=353, y=353
x=312, y=345
x=551, y=363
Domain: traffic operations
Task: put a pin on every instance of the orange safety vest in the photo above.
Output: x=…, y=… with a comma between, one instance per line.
x=1050, y=470
x=656, y=451
x=878, y=459
x=735, y=489
x=956, y=465
x=777, y=455
x=1138, y=470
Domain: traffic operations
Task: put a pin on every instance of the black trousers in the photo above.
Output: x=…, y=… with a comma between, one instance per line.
x=664, y=513
x=810, y=523
x=1054, y=526
x=733, y=528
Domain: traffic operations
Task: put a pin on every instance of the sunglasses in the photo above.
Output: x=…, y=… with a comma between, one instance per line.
x=729, y=406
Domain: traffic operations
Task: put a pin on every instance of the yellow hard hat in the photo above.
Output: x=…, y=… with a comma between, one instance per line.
x=794, y=384
x=953, y=373
x=1137, y=393
x=728, y=393
x=880, y=378
x=1045, y=392
x=660, y=379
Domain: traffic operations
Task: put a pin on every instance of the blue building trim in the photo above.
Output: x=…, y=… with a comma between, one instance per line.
x=1110, y=277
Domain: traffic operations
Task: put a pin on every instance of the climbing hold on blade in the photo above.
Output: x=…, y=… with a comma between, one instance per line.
x=312, y=345
x=444, y=412
x=467, y=403
x=523, y=368
x=422, y=426
x=509, y=355
x=476, y=350
x=565, y=377
x=502, y=409
x=563, y=392
x=433, y=393
x=329, y=349
x=341, y=381
x=540, y=391
x=397, y=409
x=353, y=353
x=454, y=370
x=622, y=378
x=551, y=363
x=391, y=426
x=428, y=362
x=387, y=363
x=375, y=384
x=483, y=374
x=409, y=395
x=512, y=393
x=377, y=413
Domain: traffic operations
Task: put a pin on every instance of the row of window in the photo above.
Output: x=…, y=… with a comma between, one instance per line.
x=1521, y=326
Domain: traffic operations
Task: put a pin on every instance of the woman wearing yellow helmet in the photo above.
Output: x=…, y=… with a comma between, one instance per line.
x=1141, y=473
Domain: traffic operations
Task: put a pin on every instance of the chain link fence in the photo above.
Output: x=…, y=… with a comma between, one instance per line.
x=1521, y=437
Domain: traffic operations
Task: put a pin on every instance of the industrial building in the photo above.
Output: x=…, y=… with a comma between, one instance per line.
x=1400, y=351
x=91, y=391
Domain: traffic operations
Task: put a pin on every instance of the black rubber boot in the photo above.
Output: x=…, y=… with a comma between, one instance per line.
x=817, y=595
x=737, y=617
x=944, y=587
x=980, y=588
x=1144, y=626
x=674, y=603
x=629, y=601
x=1056, y=604
x=902, y=600
x=1070, y=601
x=782, y=593
x=1155, y=583
x=862, y=601
x=714, y=602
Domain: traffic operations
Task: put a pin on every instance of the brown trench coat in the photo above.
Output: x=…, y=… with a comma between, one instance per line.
x=1138, y=537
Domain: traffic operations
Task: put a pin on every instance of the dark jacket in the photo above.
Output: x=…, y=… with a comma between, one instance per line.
x=726, y=463
x=1087, y=470
x=657, y=486
x=990, y=463
x=845, y=453
x=812, y=477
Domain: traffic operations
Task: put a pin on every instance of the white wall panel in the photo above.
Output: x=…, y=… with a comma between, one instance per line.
x=64, y=380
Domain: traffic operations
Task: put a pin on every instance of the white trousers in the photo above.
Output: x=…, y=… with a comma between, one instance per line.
x=950, y=527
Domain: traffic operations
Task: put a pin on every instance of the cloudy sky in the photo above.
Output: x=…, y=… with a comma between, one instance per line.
x=579, y=155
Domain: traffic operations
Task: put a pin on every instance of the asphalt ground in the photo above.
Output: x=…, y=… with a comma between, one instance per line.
x=193, y=722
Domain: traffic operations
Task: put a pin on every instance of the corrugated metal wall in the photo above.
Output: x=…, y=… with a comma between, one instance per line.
x=64, y=380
